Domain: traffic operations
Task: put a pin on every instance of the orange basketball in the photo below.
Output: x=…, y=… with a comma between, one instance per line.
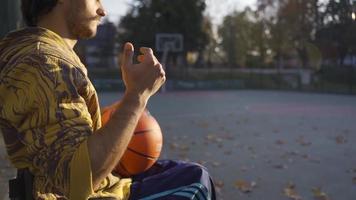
x=144, y=148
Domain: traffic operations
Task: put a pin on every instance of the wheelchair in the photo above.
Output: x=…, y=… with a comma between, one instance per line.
x=20, y=188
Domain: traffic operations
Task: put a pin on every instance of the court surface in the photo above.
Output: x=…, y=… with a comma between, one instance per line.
x=258, y=145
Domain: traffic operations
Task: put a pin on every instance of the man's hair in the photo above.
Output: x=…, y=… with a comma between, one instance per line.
x=33, y=9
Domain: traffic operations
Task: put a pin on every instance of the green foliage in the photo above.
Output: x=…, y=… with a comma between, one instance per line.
x=298, y=31
x=243, y=36
x=148, y=17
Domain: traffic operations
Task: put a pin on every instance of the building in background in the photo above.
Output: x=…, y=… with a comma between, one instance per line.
x=10, y=16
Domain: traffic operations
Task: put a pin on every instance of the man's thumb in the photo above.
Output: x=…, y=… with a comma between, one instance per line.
x=128, y=54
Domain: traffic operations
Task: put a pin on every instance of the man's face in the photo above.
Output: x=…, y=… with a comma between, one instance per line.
x=84, y=17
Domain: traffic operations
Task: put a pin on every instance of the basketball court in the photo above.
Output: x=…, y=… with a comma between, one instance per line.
x=262, y=141
x=257, y=144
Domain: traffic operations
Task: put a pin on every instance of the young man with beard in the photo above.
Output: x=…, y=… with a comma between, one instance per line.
x=50, y=116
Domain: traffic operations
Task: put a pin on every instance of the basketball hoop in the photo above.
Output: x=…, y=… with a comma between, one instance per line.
x=172, y=42
x=168, y=42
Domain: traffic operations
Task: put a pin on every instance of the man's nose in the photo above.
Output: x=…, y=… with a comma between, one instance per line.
x=101, y=11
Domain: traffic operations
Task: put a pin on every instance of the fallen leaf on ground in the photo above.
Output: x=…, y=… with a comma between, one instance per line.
x=290, y=192
x=280, y=142
x=245, y=186
x=340, y=139
x=219, y=183
x=173, y=145
x=216, y=164
x=184, y=148
x=302, y=142
x=203, y=124
x=210, y=137
x=319, y=195
x=202, y=162
x=280, y=166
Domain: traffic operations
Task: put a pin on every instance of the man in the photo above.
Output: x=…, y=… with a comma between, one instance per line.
x=50, y=116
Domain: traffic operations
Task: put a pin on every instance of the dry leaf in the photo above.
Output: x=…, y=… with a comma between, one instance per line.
x=280, y=142
x=184, y=148
x=202, y=162
x=280, y=166
x=319, y=195
x=216, y=164
x=219, y=183
x=245, y=186
x=218, y=140
x=290, y=192
x=302, y=141
x=340, y=139
x=203, y=124
x=210, y=137
x=173, y=145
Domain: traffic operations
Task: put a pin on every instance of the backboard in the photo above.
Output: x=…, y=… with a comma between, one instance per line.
x=172, y=42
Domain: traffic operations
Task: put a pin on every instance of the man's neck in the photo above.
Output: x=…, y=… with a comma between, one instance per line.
x=60, y=29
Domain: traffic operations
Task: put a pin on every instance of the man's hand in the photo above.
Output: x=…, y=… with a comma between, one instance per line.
x=109, y=143
x=144, y=78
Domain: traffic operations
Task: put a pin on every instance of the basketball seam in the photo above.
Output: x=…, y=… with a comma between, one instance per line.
x=144, y=131
x=141, y=154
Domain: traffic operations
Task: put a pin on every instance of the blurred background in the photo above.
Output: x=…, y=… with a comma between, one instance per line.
x=259, y=91
x=307, y=45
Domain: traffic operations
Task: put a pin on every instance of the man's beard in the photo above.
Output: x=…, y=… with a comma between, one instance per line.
x=81, y=30
x=79, y=26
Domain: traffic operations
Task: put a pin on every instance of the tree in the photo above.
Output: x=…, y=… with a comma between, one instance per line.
x=337, y=36
x=292, y=26
x=148, y=17
x=244, y=38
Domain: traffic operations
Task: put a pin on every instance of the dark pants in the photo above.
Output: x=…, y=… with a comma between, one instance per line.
x=173, y=180
x=166, y=179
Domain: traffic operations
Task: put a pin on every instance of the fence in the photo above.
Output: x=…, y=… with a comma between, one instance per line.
x=328, y=79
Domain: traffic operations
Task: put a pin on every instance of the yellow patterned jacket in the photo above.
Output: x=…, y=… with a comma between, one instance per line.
x=48, y=109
